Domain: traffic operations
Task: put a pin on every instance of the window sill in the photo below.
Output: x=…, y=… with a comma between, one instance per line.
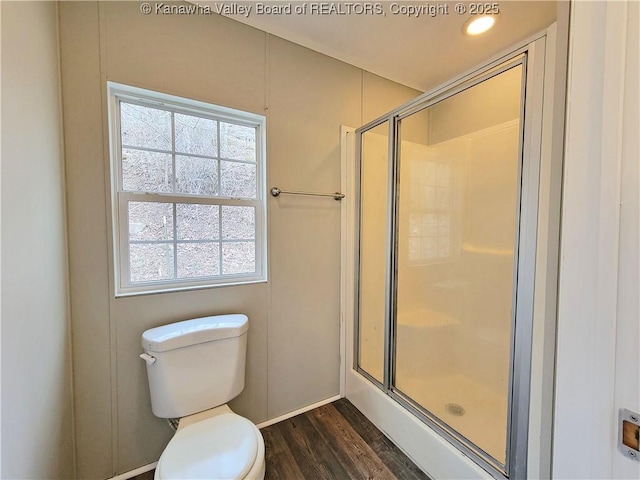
x=155, y=290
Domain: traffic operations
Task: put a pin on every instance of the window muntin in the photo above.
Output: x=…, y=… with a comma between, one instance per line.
x=188, y=193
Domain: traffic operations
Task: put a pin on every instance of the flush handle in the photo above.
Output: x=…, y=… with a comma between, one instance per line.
x=150, y=359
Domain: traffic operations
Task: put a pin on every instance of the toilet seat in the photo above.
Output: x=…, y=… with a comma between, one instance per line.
x=222, y=447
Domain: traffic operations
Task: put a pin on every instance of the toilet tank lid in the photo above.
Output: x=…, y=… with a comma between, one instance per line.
x=192, y=332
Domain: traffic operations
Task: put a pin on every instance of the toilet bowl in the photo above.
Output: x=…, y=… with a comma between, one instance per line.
x=193, y=367
x=217, y=445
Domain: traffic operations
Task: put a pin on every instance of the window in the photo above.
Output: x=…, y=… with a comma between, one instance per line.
x=188, y=189
x=430, y=222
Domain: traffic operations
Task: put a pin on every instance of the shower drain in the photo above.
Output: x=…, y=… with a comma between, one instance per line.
x=454, y=409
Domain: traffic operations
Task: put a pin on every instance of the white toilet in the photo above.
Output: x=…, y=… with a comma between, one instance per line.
x=194, y=368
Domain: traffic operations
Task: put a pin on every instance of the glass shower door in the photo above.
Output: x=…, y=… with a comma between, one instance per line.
x=374, y=245
x=455, y=256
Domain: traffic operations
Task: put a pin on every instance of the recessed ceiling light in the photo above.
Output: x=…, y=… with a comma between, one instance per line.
x=478, y=25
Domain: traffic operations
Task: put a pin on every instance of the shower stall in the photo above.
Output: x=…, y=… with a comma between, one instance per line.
x=447, y=190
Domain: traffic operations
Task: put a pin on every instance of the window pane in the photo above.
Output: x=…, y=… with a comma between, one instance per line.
x=197, y=222
x=150, y=262
x=198, y=259
x=414, y=249
x=414, y=225
x=429, y=248
x=442, y=198
x=145, y=127
x=430, y=195
x=443, y=224
x=238, y=180
x=196, y=135
x=146, y=171
x=443, y=247
x=238, y=223
x=150, y=221
x=238, y=257
x=196, y=176
x=430, y=224
x=237, y=142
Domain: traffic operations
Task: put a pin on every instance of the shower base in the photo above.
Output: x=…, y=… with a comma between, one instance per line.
x=484, y=420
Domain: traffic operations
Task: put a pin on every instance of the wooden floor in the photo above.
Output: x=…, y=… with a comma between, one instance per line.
x=332, y=442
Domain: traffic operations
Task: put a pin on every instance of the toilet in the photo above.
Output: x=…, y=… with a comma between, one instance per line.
x=194, y=368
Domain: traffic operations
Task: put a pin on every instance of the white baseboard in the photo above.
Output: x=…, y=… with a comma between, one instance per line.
x=137, y=471
x=298, y=411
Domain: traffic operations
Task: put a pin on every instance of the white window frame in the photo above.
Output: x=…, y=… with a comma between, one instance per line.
x=119, y=198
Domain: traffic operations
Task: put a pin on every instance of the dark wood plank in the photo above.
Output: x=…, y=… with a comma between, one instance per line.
x=313, y=456
x=356, y=456
x=395, y=460
x=280, y=463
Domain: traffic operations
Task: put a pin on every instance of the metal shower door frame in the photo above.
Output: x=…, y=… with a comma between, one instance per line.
x=531, y=57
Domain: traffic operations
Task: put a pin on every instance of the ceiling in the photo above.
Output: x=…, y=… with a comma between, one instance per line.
x=420, y=52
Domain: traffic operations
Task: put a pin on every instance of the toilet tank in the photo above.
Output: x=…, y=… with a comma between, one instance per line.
x=196, y=364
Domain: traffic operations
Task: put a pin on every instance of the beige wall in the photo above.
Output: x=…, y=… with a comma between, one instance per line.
x=293, y=355
x=37, y=428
